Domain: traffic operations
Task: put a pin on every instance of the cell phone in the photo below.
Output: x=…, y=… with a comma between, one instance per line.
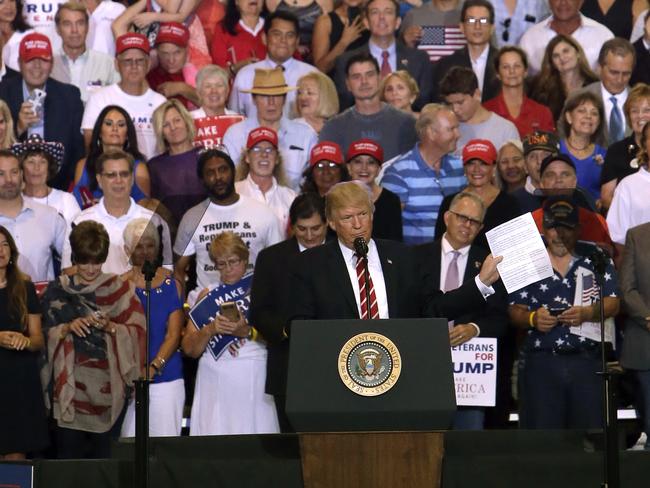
x=230, y=311
x=556, y=311
x=353, y=13
x=37, y=99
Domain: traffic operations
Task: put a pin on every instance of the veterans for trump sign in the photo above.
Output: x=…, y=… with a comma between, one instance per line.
x=475, y=372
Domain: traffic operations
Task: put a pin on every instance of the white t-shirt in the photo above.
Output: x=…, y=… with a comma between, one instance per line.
x=254, y=222
x=279, y=198
x=100, y=37
x=11, y=49
x=139, y=107
x=63, y=202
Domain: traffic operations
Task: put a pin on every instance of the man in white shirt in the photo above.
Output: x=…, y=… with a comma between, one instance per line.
x=281, y=42
x=295, y=140
x=38, y=230
x=459, y=88
x=102, y=14
x=565, y=19
x=263, y=174
x=84, y=68
x=131, y=93
x=616, y=61
x=223, y=210
x=115, y=210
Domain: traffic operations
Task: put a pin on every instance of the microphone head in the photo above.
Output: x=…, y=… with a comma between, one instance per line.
x=360, y=246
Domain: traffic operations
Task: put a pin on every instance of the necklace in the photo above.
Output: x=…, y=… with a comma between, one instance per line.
x=578, y=149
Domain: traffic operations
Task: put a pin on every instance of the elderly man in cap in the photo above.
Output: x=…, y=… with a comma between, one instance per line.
x=559, y=385
x=295, y=140
x=41, y=105
x=281, y=43
x=84, y=68
x=537, y=146
x=132, y=92
x=174, y=77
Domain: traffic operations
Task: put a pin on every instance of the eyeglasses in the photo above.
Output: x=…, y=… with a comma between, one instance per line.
x=506, y=33
x=130, y=63
x=114, y=174
x=477, y=20
x=228, y=263
x=326, y=165
x=262, y=150
x=464, y=219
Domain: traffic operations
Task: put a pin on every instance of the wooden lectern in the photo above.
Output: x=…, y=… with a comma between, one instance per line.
x=386, y=440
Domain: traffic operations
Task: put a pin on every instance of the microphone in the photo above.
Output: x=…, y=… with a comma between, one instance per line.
x=360, y=247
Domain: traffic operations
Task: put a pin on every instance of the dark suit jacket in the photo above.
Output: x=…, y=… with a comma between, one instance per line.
x=271, y=296
x=491, y=84
x=322, y=288
x=63, y=112
x=641, y=73
x=491, y=316
x=415, y=61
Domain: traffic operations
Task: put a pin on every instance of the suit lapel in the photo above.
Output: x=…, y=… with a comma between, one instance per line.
x=338, y=271
x=390, y=279
x=436, y=258
x=473, y=264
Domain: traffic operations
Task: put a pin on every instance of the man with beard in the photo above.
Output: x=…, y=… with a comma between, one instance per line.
x=559, y=385
x=37, y=229
x=223, y=210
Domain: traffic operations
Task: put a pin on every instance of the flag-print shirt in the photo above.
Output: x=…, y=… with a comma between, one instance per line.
x=558, y=292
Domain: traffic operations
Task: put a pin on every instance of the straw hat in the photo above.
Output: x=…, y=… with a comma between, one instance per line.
x=269, y=82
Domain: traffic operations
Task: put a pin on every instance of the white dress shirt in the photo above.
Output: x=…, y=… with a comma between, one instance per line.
x=278, y=198
x=376, y=275
x=377, y=51
x=607, y=104
x=478, y=66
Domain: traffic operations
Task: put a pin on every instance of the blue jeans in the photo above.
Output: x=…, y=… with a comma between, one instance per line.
x=561, y=391
x=644, y=390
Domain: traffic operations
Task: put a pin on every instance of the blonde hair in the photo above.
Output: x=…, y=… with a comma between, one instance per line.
x=9, y=137
x=243, y=168
x=428, y=116
x=159, y=117
x=641, y=91
x=328, y=99
x=403, y=75
x=228, y=243
x=347, y=194
x=74, y=7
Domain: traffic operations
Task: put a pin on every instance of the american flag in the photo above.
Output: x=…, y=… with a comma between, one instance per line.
x=441, y=40
x=589, y=289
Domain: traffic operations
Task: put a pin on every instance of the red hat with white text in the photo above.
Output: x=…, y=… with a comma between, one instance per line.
x=480, y=149
x=174, y=33
x=35, y=45
x=261, y=134
x=367, y=147
x=131, y=40
x=326, y=151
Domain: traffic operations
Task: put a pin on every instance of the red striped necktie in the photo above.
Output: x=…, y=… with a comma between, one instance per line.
x=361, y=276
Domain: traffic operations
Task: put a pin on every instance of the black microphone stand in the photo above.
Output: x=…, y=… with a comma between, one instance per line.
x=611, y=477
x=141, y=455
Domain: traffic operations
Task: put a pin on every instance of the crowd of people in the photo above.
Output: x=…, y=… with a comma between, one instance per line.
x=232, y=151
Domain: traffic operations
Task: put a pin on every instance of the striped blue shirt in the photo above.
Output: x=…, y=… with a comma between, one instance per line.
x=421, y=190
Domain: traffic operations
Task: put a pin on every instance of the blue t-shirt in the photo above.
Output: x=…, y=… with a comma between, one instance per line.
x=588, y=170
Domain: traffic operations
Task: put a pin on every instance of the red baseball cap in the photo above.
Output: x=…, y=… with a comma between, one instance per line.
x=261, y=134
x=480, y=149
x=35, y=45
x=326, y=151
x=131, y=40
x=367, y=147
x=173, y=32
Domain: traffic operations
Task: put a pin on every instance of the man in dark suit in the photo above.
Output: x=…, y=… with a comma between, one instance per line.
x=382, y=19
x=454, y=260
x=641, y=73
x=57, y=118
x=477, y=23
x=328, y=282
x=271, y=293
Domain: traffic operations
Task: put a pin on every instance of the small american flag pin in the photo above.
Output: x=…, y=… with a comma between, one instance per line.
x=389, y=261
x=477, y=264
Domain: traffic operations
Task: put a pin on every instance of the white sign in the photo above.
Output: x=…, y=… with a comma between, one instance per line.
x=525, y=258
x=475, y=372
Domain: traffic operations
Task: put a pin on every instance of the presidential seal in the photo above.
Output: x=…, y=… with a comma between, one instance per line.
x=369, y=364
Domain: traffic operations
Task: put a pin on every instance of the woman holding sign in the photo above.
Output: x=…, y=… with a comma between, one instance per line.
x=167, y=390
x=229, y=393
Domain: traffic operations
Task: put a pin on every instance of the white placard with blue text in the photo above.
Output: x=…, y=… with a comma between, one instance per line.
x=475, y=372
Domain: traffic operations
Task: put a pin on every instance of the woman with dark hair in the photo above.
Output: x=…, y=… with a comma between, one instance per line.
x=13, y=28
x=583, y=119
x=23, y=421
x=511, y=65
x=41, y=161
x=113, y=130
x=565, y=69
x=325, y=170
x=95, y=332
x=239, y=38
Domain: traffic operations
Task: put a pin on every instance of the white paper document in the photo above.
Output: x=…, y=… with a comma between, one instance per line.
x=525, y=259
